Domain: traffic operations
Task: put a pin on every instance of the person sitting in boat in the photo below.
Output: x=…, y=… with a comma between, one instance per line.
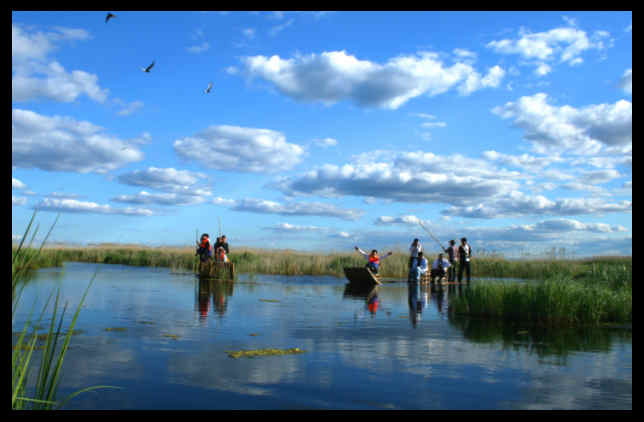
x=414, y=249
x=220, y=255
x=418, y=268
x=439, y=268
x=373, y=260
x=204, y=248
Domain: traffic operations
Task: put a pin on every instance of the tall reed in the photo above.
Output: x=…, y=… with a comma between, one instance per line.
x=39, y=393
x=555, y=301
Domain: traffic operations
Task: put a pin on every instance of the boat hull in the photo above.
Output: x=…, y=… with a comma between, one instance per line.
x=361, y=276
x=217, y=270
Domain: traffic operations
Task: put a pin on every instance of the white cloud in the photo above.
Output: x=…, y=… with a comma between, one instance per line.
x=325, y=142
x=517, y=204
x=562, y=45
x=58, y=85
x=18, y=200
x=629, y=28
x=433, y=124
x=404, y=177
x=33, y=77
x=410, y=220
x=130, y=108
x=235, y=148
x=599, y=176
x=143, y=198
x=249, y=33
x=524, y=161
x=586, y=130
x=64, y=144
x=334, y=76
x=170, y=180
x=17, y=184
x=291, y=208
x=279, y=28
x=75, y=206
x=626, y=82
x=294, y=228
x=197, y=49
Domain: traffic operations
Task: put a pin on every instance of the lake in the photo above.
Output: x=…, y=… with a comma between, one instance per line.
x=164, y=337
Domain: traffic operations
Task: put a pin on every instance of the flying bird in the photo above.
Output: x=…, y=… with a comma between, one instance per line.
x=109, y=16
x=207, y=91
x=147, y=69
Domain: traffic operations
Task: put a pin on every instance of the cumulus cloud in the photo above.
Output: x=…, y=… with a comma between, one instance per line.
x=144, y=198
x=261, y=206
x=626, y=82
x=65, y=144
x=517, y=204
x=75, y=206
x=334, y=76
x=404, y=177
x=17, y=184
x=580, y=131
x=235, y=148
x=170, y=180
x=33, y=77
x=558, y=45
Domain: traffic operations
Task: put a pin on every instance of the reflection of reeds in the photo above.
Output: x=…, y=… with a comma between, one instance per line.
x=289, y=262
x=39, y=392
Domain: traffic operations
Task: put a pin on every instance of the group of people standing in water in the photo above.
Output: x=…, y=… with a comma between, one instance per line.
x=442, y=266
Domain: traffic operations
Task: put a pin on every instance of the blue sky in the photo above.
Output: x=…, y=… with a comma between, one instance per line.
x=326, y=129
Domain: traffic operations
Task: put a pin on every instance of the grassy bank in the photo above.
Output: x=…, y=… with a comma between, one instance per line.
x=286, y=262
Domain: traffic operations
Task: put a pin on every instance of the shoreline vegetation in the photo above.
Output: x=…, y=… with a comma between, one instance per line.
x=565, y=291
x=291, y=262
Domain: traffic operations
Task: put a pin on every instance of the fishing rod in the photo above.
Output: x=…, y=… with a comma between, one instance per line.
x=432, y=236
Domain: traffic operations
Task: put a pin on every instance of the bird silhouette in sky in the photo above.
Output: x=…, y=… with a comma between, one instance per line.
x=207, y=90
x=109, y=16
x=147, y=69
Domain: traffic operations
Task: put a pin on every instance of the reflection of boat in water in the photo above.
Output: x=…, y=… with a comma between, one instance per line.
x=367, y=293
x=217, y=269
x=219, y=290
x=361, y=276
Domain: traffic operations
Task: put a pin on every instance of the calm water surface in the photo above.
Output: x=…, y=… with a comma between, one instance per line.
x=391, y=348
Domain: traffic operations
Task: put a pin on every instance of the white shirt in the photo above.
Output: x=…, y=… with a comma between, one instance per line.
x=422, y=267
x=415, y=249
x=445, y=264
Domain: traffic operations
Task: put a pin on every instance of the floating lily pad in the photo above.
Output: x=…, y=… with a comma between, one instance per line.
x=269, y=300
x=264, y=352
x=147, y=322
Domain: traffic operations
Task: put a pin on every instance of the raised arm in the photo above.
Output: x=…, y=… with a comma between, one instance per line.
x=362, y=252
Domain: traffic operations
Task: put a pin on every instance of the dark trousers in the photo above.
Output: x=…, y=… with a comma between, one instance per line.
x=451, y=272
x=465, y=265
x=437, y=272
x=372, y=267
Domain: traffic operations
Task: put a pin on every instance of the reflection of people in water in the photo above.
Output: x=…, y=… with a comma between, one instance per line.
x=415, y=305
x=373, y=301
x=219, y=290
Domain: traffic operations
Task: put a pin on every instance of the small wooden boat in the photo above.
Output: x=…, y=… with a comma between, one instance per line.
x=217, y=269
x=361, y=275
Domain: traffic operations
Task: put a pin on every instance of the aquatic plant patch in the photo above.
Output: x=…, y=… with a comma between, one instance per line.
x=264, y=352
